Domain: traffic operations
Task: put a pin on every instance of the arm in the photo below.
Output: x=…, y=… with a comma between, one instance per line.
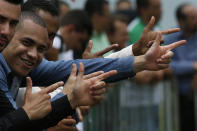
x=60, y=70
x=125, y=52
x=10, y=118
x=15, y=120
x=156, y=58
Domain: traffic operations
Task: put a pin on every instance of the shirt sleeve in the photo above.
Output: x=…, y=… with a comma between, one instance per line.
x=49, y=72
x=14, y=121
x=57, y=43
x=122, y=53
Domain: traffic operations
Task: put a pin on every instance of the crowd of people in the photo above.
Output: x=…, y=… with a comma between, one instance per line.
x=56, y=61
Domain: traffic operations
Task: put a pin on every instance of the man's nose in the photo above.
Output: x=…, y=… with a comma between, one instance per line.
x=5, y=28
x=32, y=53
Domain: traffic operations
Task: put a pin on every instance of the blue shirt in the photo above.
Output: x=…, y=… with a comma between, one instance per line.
x=182, y=61
x=5, y=82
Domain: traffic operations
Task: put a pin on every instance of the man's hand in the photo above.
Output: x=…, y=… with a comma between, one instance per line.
x=157, y=57
x=149, y=77
x=144, y=77
x=79, y=91
x=147, y=38
x=37, y=105
x=65, y=125
x=87, y=53
x=83, y=111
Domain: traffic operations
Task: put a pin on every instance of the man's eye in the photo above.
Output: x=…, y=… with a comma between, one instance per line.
x=41, y=49
x=26, y=43
x=13, y=24
x=2, y=20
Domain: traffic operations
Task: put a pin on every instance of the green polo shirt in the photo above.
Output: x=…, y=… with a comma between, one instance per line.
x=135, y=29
x=100, y=42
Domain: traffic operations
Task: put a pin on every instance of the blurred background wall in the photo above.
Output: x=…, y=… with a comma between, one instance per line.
x=168, y=19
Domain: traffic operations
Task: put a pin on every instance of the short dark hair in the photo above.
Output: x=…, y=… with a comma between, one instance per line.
x=56, y=3
x=31, y=16
x=120, y=1
x=63, y=3
x=142, y=4
x=59, y=3
x=95, y=6
x=79, y=19
x=116, y=17
x=179, y=11
x=46, y=5
x=16, y=2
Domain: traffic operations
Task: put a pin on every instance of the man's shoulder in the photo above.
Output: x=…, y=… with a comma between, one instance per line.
x=135, y=25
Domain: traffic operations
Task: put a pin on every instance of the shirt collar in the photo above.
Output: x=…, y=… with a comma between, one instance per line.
x=4, y=64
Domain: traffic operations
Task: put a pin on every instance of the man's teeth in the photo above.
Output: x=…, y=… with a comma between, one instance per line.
x=28, y=63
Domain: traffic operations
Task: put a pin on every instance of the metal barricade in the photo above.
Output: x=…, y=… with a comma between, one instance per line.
x=130, y=107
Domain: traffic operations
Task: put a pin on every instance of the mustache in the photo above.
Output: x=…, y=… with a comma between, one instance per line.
x=4, y=37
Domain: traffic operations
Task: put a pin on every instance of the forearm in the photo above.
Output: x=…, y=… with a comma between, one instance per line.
x=44, y=75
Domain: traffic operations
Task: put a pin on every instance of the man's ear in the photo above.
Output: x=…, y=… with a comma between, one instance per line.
x=181, y=23
x=110, y=36
x=142, y=11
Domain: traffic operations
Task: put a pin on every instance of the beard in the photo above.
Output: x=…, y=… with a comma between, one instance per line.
x=3, y=42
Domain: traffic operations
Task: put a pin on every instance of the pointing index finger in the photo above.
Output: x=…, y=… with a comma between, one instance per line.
x=169, y=31
x=93, y=74
x=102, y=52
x=175, y=44
x=89, y=47
x=53, y=87
x=107, y=74
x=151, y=23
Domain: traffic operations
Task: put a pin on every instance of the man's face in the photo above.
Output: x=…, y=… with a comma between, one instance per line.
x=154, y=9
x=25, y=51
x=104, y=17
x=125, y=5
x=76, y=40
x=120, y=35
x=190, y=23
x=52, y=23
x=9, y=15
